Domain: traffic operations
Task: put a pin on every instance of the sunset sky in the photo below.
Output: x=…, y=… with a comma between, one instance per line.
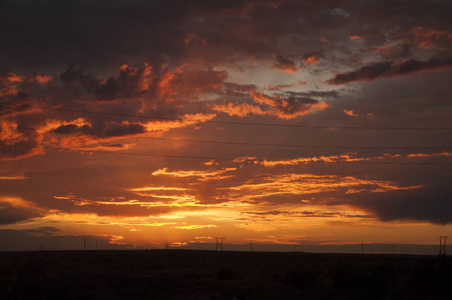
x=289, y=122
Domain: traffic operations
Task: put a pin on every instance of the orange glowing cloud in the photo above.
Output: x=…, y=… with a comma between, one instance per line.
x=186, y=120
x=312, y=60
x=54, y=135
x=157, y=188
x=173, y=201
x=301, y=184
x=240, y=110
x=201, y=175
x=356, y=37
x=285, y=68
x=13, y=177
x=287, y=108
x=9, y=133
x=430, y=155
x=17, y=202
x=11, y=82
x=348, y=157
x=350, y=113
x=191, y=227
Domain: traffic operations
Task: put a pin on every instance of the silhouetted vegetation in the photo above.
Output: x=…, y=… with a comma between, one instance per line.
x=177, y=274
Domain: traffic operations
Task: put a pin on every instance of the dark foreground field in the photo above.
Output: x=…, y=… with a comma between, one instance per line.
x=183, y=274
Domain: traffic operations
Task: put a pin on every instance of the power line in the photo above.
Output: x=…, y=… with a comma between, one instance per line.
x=248, y=143
x=121, y=153
x=222, y=158
x=241, y=123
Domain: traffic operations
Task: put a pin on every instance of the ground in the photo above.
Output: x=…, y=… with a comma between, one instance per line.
x=185, y=274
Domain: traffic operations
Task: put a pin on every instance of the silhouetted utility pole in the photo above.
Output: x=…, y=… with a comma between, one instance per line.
x=219, y=244
x=442, y=245
x=84, y=244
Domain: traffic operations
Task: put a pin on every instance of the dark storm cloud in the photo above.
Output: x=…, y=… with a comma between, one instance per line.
x=82, y=32
x=10, y=214
x=105, y=34
x=391, y=69
x=111, y=130
x=431, y=204
x=128, y=84
x=138, y=82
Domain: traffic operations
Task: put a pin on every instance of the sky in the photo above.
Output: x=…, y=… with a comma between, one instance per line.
x=134, y=124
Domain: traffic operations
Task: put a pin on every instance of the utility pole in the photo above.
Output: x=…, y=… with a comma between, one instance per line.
x=442, y=245
x=219, y=244
x=84, y=244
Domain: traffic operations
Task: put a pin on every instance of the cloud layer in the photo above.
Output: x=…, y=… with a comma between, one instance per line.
x=163, y=122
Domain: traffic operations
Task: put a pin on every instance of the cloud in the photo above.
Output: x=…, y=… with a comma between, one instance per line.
x=339, y=158
x=191, y=227
x=165, y=84
x=132, y=93
x=285, y=64
x=284, y=108
x=288, y=108
x=131, y=82
x=16, y=210
x=392, y=69
x=430, y=204
x=13, y=177
x=286, y=86
x=13, y=84
x=18, y=143
x=201, y=175
x=307, y=184
x=239, y=109
x=287, y=215
x=425, y=38
x=312, y=60
x=151, y=77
